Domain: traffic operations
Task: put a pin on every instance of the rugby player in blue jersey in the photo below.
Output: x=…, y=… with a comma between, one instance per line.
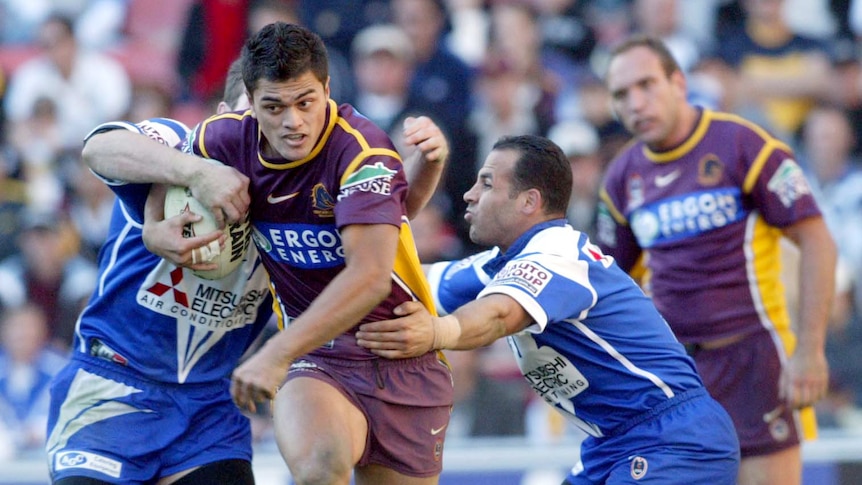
x=146, y=397
x=585, y=336
x=704, y=198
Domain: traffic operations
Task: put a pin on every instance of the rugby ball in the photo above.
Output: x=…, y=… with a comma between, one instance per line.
x=179, y=199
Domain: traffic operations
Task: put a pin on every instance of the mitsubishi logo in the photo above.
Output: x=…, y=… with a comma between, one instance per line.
x=160, y=289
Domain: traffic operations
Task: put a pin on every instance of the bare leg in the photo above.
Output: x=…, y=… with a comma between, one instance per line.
x=780, y=468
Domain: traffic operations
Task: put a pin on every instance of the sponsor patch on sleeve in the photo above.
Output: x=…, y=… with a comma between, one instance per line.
x=526, y=275
x=788, y=183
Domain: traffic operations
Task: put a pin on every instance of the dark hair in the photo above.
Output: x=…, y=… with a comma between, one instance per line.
x=541, y=165
x=233, y=86
x=282, y=51
x=668, y=62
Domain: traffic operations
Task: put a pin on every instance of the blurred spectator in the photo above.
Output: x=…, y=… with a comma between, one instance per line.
x=771, y=74
x=98, y=23
x=442, y=82
x=13, y=199
x=383, y=61
x=90, y=203
x=660, y=18
x=468, y=33
x=434, y=235
x=86, y=87
x=27, y=364
x=37, y=141
x=49, y=272
x=579, y=140
x=213, y=37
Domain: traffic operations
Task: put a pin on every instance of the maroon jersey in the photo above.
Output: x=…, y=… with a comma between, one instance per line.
x=706, y=216
x=353, y=175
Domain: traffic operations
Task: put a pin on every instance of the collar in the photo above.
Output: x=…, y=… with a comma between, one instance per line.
x=493, y=266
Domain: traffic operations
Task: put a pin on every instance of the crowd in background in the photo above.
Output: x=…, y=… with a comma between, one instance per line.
x=480, y=68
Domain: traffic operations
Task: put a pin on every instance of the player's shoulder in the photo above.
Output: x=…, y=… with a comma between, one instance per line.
x=167, y=131
x=351, y=125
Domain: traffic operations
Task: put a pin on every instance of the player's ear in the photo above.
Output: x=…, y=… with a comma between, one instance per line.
x=326, y=87
x=532, y=201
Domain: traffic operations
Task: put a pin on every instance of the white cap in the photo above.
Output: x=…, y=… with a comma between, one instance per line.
x=383, y=38
x=575, y=137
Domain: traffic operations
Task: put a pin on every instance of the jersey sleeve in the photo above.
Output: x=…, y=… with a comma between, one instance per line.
x=777, y=184
x=550, y=288
x=456, y=283
x=164, y=130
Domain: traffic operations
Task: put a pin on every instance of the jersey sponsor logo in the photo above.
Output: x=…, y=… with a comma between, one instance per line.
x=526, y=275
x=88, y=461
x=375, y=178
x=788, y=183
x=273, y=199
x=301, y=245
x=666, y=179
x=556, y=380
x=685, y=216
x=204, y=310
x=436, y=431
x=709, y=170
x=639, y=467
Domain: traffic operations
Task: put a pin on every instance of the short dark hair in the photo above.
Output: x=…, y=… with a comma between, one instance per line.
x=541, y=165
x=233, y=85
x=282, y=51
x=668, y=62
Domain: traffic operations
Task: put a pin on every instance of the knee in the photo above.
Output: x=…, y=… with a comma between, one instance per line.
x=321, y=467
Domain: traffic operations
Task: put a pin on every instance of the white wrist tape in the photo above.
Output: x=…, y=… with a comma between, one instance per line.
x=447, y=331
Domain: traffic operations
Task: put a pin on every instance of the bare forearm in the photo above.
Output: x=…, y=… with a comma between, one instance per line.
x=487, y=319
x=127, y=156
x=818, y=258
x=422, y=178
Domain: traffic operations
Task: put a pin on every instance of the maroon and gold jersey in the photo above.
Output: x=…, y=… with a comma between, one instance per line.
x=353, y=175
x=706, y=216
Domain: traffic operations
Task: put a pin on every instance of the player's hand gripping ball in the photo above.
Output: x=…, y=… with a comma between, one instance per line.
x=179, y=199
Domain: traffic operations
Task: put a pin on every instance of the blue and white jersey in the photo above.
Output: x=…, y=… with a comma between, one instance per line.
x=160, y=320
x=597, y=349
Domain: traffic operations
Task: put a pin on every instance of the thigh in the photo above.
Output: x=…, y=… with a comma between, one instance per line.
x=313, y=417
x=779, y=468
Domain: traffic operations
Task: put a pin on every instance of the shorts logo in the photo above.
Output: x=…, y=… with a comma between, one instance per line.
x=438, y=450
x=639, y=467
x=87, y=461
x=779, y=430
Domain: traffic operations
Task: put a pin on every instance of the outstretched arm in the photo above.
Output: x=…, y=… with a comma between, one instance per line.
x=425, y=165
x=475, y=324
x=128, y=156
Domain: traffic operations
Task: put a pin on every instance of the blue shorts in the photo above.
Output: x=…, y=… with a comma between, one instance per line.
x=690, y=441
x=108, y=424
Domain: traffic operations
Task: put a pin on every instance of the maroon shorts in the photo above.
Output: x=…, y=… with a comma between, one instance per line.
x=407, y=404
x=743, y=377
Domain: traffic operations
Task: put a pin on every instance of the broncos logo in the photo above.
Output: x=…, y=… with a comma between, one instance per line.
x=710, y=170
x=322, y=201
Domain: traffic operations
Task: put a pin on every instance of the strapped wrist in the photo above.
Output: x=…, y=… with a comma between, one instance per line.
x=447, y=331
